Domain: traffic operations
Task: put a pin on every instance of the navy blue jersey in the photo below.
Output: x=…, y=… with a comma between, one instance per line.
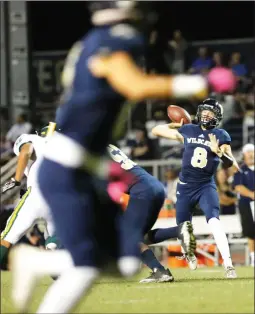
x=199, y=163
x=245, y=177
x=91, y=106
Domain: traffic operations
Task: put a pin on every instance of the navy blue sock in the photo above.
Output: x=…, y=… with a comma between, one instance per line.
x=150, y=260
x=159, y=235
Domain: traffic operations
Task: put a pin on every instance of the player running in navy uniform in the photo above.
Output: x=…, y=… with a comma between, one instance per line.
x=99, y=75
x=204, y=147
x=146, y=198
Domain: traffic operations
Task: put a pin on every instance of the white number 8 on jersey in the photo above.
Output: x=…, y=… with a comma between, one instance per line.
x=199, y=158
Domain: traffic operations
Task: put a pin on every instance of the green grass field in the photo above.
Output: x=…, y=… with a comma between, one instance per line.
x=202, y=291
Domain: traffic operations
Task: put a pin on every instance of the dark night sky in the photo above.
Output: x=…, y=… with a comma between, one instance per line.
x=56, y=25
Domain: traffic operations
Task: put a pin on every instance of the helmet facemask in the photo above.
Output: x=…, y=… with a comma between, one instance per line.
x=209, y=122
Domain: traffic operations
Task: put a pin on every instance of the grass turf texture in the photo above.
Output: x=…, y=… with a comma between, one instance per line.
x=202, y=291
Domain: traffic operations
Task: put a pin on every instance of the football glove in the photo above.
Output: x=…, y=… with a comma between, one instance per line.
x=10, y=185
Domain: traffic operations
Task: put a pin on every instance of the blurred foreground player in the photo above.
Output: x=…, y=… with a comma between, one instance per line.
x=204, y=146
x=244, y=184
x=99, y=75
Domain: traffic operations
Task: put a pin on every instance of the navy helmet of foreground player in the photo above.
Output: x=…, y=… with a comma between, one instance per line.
x=204, y=146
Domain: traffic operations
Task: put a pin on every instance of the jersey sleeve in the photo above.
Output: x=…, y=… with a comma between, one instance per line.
x=224, y=137
x=20, y=141
x=184, y=130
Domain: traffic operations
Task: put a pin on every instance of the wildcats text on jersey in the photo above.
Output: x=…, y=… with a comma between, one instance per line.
x=201, y=141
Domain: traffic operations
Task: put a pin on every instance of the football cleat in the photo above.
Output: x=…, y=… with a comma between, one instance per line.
x=230, y=272
x=159, y=276
x=191, y=260
x=187, y=238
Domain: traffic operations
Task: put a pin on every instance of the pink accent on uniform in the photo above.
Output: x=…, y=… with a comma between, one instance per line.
x=116, y=190
x=222, y=80
x=119, y=179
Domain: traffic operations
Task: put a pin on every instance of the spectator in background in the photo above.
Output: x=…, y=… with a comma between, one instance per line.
x=227, y=196
x=141, y=147
x=178, y=45
x=22, y=126
x=202, y=64
x=244, y=184
x=240, y=71
x=217, y=60
x=237, y=67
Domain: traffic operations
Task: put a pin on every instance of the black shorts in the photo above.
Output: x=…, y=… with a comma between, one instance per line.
x=248, y=224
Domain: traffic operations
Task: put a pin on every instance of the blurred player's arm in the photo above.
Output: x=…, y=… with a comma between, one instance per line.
x=169, y=131
x=129, y=80
x=25, y=154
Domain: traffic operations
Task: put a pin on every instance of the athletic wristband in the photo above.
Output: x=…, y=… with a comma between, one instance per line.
x=189, y=85
x=227, y=161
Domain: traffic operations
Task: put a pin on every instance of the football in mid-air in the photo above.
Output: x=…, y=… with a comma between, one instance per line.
x=176, y=113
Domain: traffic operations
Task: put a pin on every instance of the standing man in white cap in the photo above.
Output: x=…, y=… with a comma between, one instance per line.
x=245, y=186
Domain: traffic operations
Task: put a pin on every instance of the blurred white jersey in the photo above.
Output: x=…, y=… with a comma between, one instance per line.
x=38, y=143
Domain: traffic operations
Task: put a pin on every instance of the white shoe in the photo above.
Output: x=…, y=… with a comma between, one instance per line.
x=230, y=272
x=24, y=277
x=192, y=261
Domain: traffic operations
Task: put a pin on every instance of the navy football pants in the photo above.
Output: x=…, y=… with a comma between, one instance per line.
x=147, y=197
x=189, y=195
